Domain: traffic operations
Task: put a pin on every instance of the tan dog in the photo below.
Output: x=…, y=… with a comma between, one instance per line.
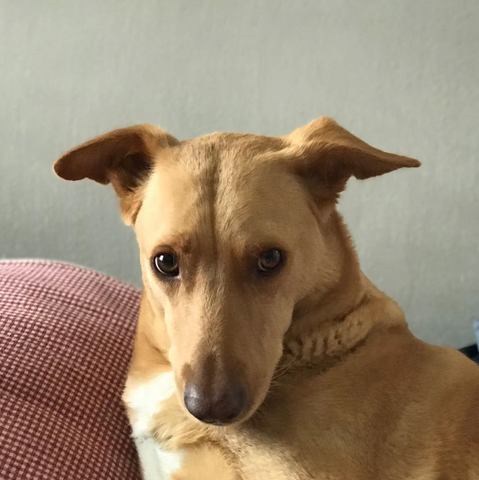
x=257, y=320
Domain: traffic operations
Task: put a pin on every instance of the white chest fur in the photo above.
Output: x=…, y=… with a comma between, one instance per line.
x=145, y=400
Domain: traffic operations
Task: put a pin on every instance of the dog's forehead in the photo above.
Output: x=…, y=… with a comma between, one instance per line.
x=225, y=140
x=221, y=148
x=220, y=185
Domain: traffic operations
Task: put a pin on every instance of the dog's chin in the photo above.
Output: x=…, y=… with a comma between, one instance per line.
x=251, y=411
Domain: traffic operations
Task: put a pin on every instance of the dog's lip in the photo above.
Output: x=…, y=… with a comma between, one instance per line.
x=222, y=424
x=217, y=423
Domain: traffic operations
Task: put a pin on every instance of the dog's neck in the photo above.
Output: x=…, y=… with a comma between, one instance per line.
x=323, y=335
x=327, y=326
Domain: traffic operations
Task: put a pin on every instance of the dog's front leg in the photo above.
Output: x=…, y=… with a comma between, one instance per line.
x=179, y=448
x=171, y=445
x=156, y=462
x=144, y=400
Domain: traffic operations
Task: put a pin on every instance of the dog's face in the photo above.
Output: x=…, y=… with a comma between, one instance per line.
x=233, y=233
x=229, y=243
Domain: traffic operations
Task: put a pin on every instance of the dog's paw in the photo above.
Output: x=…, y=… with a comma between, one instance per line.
x=154, y=410
x=174, y=429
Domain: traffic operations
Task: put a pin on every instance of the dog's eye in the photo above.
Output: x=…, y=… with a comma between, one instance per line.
x=167, y=264
x=270, y=260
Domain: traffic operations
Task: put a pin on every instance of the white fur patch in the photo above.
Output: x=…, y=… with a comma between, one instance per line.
x=156, y=463
x=145, y=400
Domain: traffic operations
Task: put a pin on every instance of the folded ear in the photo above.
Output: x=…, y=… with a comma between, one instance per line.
x=123, y=157
x=327, y=155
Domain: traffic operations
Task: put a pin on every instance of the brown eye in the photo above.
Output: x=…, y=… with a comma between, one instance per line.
x=166, y=264
x=270, y=260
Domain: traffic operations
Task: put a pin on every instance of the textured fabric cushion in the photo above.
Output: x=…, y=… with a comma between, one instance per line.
x=66, y=335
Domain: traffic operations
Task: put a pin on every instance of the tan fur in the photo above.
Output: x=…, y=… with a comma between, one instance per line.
x=337, y=386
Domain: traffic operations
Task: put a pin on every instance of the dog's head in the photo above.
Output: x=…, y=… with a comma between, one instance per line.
x=234, y=232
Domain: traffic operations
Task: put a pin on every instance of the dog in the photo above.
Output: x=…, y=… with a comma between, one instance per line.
x=262, y=350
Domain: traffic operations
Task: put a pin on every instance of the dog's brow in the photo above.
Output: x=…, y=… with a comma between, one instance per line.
x=257, y=249
x=179, y=243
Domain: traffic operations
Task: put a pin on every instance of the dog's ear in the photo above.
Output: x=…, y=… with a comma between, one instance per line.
x=123, y=157
x=327, y=155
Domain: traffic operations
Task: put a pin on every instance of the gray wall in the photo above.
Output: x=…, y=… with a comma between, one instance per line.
x=402, y=75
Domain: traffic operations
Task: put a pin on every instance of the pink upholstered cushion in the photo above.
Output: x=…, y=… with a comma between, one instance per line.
x=65, y=340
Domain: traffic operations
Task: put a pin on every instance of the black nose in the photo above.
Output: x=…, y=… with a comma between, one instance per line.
x=219, y=409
